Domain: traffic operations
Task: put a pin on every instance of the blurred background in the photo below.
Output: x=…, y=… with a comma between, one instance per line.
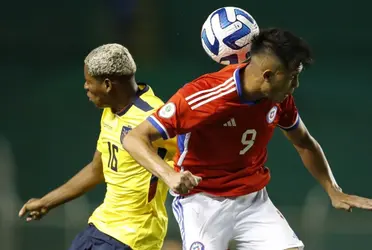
x=48, y=128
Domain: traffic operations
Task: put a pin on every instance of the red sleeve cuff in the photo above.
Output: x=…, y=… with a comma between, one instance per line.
x=293, y=126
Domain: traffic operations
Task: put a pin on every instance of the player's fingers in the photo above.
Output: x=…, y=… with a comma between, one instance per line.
x=343, y=206
x=181, y=189
x=186, y=184
x=184, y=189
x=24, y=208
x=43, y=211
x=361, y=205
x=31, y=218
x=360, y=202
x=32, y=204
x=34, y=213
x=22, y=211
x=186, y=179
x=192, y=179
x=197, y=179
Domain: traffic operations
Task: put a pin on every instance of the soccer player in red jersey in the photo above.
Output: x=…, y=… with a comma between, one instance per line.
x=224, y=121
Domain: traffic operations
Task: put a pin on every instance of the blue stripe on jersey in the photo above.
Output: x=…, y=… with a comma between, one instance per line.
x=158, y=127
x=294, y=126
x=181, y=143
x=138, y=102
x=141, y=104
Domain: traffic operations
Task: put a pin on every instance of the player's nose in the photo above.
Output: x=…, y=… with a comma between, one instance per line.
x=295, y=83
x=85, y=85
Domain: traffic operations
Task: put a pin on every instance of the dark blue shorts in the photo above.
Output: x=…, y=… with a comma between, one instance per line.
x=93, y=239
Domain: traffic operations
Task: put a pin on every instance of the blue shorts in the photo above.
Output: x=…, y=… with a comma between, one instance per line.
x=93, y=239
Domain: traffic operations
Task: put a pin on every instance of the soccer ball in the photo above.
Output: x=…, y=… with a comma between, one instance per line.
x=227, y=33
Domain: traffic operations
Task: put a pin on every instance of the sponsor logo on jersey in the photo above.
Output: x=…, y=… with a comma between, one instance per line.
x=107, y=126
x=230, y=123
x=197, y=246
x=168, y=110
x=271, y=115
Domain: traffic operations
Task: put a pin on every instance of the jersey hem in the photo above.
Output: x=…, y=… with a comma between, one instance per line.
x=232, y=193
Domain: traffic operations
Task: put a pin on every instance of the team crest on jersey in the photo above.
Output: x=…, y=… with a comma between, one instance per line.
x=168, y=110
x=270, y=117
x=124, y=131
x=197, y=246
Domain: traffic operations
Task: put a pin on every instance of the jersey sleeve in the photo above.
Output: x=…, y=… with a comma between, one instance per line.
x=289, y=118
x=180, y=115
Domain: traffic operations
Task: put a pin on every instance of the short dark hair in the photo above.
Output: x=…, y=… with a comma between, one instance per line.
x=289, y=48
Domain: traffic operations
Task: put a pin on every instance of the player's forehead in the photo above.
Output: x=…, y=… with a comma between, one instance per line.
x=86, y=73
x=85, y=70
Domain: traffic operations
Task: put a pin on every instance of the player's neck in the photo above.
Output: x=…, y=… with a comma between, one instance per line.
x=251, y=85
x=124, y=97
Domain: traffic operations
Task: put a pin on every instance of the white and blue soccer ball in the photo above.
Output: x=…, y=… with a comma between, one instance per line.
x=227, y=33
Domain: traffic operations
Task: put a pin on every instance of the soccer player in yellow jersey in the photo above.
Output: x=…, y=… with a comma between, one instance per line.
x=133, y=214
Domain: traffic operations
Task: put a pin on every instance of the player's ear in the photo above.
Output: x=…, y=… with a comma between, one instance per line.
x=268, y=75
x=108, y=84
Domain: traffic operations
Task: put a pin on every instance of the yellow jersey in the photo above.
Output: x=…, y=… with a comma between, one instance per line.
x=133, y=210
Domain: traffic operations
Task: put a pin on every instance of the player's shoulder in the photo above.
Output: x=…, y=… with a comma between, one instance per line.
x=150, y=97
x=107, y=114
x=145, y=102
x=287, y=102
x=223, y=79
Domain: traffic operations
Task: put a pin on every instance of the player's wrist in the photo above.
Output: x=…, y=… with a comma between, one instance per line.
x=46, y=203
x=332, y=188
x=55, y=198
x=168, y=176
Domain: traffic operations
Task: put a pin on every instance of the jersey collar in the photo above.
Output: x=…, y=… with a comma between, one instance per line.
x=239, y=87
x=142, y=88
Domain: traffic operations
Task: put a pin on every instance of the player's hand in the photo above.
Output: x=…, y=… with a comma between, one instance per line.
x=183, y=182
x=346, y=202
x=34, y=208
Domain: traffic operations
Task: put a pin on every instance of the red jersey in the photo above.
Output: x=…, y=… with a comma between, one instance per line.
x=222, y=137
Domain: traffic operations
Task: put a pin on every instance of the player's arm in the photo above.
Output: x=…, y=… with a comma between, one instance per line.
x=309, y=149
x=83, y=181
x=314, y=158
x=165, y=123
x=315, y=161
